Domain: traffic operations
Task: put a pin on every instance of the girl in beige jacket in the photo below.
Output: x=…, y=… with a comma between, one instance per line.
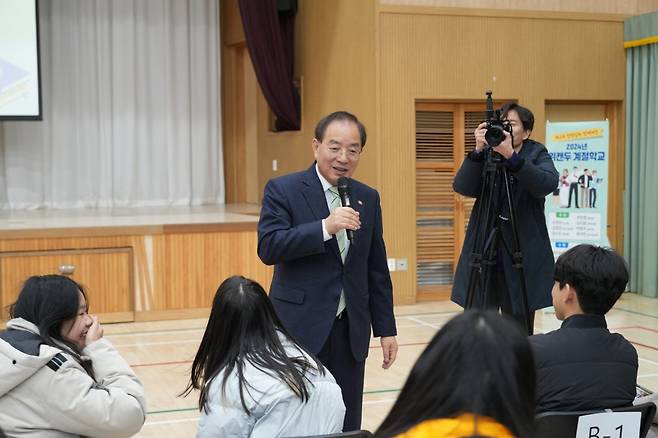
x=58, y=376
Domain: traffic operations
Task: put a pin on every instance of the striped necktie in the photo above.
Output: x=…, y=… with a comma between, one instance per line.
x=341, y=238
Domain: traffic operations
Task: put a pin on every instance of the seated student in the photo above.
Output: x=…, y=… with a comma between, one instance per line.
x=58, y=376
x=254, y=379
x=582, y=366
x=475, y=378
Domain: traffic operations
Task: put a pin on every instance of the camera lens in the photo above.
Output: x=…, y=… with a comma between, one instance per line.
x=494, y=135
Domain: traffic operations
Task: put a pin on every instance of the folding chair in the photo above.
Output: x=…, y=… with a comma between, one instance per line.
x=350, y=434
x=565, y=424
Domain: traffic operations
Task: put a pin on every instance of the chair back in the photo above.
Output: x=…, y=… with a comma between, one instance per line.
x=565, y=424
x=350, y=434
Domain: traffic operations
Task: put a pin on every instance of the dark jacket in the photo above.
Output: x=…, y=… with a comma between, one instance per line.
x=582, y=366
x=309, y=273
x=532, y=177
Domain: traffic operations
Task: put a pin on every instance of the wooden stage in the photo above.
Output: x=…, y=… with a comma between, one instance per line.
x=136, y=263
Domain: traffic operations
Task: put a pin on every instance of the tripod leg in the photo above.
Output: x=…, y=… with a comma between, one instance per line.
x=517, y=256
x=484, y=223
x=506, y=304
x=488, y=270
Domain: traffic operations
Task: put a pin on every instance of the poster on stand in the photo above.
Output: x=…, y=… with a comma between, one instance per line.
x=577, y=210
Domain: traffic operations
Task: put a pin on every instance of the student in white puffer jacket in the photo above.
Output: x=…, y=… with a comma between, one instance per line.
x=254, y=379
x=58, y=376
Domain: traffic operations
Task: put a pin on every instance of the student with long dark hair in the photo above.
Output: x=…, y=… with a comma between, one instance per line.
x=253, y=379
x=58, y=376
x=475, y=378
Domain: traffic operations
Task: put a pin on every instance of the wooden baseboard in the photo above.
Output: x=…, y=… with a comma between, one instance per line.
x=104, y=318
x=433, y=296
x=433, y=293
x=112, y=317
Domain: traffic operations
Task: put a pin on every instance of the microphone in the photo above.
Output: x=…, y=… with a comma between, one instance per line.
x=344, y=192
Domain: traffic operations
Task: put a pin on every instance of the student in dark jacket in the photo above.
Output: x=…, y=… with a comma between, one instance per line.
x=532, y=176
x=582, y=366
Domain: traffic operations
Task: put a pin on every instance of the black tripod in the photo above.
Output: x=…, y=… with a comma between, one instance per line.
x=488, y=235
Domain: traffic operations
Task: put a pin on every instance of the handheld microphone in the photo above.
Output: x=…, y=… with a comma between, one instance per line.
x=344, y=192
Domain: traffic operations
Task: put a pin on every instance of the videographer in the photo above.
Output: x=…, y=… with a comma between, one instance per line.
x=532, y=176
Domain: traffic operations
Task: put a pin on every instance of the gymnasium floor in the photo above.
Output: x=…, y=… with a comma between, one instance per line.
x=161, y=354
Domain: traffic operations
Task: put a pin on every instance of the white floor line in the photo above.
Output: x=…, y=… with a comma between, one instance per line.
x=424, y=323
x=185, y=341
x=158, y=332
x=182, y=420
x=406, y=325
x=198, y=340
x=648, y=361
x=143, y=344
x=373, y=402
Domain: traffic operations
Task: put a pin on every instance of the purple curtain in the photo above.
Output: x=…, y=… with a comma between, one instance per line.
x=270, y=40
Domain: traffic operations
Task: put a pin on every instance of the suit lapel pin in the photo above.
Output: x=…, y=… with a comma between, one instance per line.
x=360, y=202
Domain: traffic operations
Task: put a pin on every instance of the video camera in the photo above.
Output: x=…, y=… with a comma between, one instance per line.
x=496, y=128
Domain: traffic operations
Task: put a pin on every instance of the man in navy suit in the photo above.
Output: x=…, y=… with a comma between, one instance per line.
x=327, y=290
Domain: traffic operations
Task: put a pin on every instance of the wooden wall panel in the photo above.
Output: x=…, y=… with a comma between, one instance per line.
x=457, y=57
x=239, y=134
x=233, y=123
x=105, y=274
x=335, y=60
x=615, y=113
x=232, y=31
x=571, y=112
x=626, y=7
x=377, y=60
x=53, y=243
x=170, y=274
x=191, y=266
x=646, y=6
x=335, y=63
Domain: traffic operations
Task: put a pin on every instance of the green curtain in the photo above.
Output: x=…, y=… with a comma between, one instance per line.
x=641, y=191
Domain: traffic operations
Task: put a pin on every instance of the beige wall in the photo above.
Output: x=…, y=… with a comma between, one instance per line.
x=376, y=60
x=335, y=58
x=335, y=62
x=626, y=7
x=427, y=53
x=232, y=31
x=240, y=93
